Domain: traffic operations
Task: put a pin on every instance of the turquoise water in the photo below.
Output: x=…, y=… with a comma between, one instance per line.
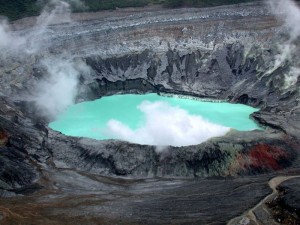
x=90, y=119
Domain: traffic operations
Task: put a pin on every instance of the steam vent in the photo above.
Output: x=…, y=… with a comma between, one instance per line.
x=58, y=54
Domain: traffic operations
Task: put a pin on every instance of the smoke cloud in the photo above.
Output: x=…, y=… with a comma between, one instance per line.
x=51, y=4
x=58, y=89
x=292, y=77
x=8, y=41
x=289, y=12
x=55, y=11
x=166, y=125
x=4, y=34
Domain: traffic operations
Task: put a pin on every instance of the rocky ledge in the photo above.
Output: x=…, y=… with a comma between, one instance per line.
x=225, y=53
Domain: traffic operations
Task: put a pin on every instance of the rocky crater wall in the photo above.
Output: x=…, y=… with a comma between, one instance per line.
x=225, y=53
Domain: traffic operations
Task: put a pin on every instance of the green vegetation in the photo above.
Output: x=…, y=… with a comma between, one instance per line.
x=16, y=9
x=95, y=5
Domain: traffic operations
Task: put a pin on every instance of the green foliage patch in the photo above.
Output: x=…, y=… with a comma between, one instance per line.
x=16, y=9
x=95, y=5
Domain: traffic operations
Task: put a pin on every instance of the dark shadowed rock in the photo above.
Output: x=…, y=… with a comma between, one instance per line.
x=16, y=172
x=291, y=196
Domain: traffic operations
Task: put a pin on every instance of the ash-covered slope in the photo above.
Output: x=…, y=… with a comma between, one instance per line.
x=234, y=53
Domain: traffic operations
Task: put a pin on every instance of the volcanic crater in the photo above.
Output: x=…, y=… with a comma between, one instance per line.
x=225, y=53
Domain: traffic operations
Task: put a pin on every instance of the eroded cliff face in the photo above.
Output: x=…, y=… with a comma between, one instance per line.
x=227, y=53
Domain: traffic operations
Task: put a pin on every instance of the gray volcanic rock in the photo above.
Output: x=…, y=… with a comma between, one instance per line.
x=232, y=154
x=82, y=198
x=291, y=198
x=22, y=148
x=285, y=206
x=15, y=171
x=222, y=53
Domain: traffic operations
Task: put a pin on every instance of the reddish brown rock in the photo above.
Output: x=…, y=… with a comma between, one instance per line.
x=264, y=156
x=3, y=138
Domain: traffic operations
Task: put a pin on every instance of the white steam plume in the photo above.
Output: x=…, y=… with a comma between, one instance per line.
x=5, y=36
x=166, y=125
x=289, y=12
x=292, y=77
x=77, y=4
x=7, y=39
x=55, y=11
x=59, y=89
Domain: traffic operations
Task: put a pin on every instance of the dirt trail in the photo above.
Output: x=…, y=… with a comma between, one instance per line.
x=249, y=217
